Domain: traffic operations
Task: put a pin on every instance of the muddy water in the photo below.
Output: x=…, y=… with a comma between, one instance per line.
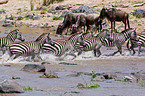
x=65, y=85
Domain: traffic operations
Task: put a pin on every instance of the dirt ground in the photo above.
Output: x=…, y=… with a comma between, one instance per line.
x=12, y=8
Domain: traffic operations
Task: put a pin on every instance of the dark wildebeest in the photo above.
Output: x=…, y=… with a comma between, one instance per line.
x=69, y=19
x=86, y=20
x=113, y=15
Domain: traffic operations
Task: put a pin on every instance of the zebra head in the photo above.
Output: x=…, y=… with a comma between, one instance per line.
x=15, y=34
x=131, y=33
x=19, y=37
x=80, y=44
x=43, y=38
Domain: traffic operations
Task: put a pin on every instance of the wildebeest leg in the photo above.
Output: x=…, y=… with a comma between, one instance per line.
x=125, y=23
x=114, y=25
x=128, y=23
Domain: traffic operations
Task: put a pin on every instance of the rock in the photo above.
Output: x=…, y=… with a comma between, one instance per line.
x=59, y=7
x=64, y=63
x=29, y=16
x=36, y=18
x=74, y=74
x=34, y=68
x=50, y=74
x=139, y=12
x=139, y=75
x=83, y=9
x=16, y=77
x=80, y=85
x=64, y=13
x=7, y=25
x=7, y=65
x=2, y=12
x=48, y=15
x=9, y=86
x=45, y=63
x=99, y=78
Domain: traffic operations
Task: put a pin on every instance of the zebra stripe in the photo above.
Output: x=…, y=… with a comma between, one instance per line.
x=60, y=46
x=29, y=48
x=9, y=39
x=104, y=39
x=136, y=43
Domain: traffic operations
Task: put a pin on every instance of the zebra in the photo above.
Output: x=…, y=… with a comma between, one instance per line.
x=64, y=47
x=136, y=43
x=104, y=39
x=9, y=39
x=30, y=48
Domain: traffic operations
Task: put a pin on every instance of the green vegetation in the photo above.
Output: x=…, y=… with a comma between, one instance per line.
x=89, y=85
x=57, y=18
x=19, y=9
x=138, y=16
x=20, y=18
x=137, y=2
x=26, y=18
x=92, y=85
x=12, y=17
x=28, y=88
x=49, y=76
x=93, y=74
x=42, y=12
x=139, y=24
x=142, y=83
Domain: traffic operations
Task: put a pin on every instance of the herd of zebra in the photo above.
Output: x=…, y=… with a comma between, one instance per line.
x=79, y=41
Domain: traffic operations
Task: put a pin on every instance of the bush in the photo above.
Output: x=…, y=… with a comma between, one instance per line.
x=57, y=18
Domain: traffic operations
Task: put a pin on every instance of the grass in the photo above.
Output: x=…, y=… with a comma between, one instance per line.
x=49, y=76
x=28, y=88
x=93, y=74
x=42, y=12
x=142, y=83
x=89, y=85
x=138, y=16
x=20, y=18
x=92, y=85
x=57, y=18
x=11, y=17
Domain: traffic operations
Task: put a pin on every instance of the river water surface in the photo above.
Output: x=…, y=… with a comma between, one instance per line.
x=65, y=85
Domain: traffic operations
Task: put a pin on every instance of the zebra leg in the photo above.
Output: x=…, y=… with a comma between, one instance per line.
x=79, y=53
x=119, y=50
x=139, y=50
x=97, y=50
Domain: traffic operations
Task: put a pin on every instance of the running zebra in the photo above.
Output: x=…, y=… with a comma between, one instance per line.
x=5, y=42
x=104, y=39
x=64, y=47
x=31, y=48
x=136, y=43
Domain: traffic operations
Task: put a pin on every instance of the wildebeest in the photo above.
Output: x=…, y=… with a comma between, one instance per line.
x=69, y=19
x=86, y=20
x=113, y=15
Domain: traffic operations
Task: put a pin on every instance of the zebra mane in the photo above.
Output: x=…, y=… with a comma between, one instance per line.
x=11, y=35
x=41, y=36
x=73, y=35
